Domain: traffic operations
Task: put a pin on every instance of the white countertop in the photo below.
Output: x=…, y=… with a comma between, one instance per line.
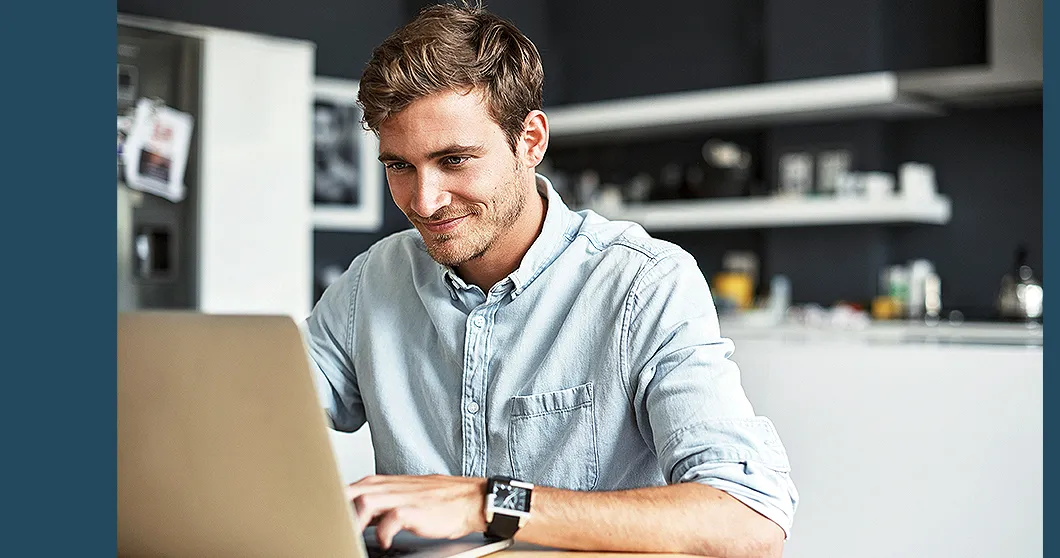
x=897, y=331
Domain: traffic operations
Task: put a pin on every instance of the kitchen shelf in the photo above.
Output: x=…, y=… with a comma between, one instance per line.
x=874, y=94
x=769, y=212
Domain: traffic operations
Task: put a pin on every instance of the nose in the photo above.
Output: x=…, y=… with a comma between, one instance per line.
x=429, y=195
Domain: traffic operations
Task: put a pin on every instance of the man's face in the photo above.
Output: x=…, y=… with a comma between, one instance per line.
x=453, y=174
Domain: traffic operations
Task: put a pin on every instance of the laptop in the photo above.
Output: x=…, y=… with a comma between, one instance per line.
x=223, y=447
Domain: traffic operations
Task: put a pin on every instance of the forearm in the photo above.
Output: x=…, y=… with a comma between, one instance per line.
x=686, y=518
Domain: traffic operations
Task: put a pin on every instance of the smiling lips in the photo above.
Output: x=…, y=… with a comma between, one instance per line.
x=444, y=226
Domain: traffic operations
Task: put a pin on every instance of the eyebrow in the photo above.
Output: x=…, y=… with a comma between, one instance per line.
x=443, y=152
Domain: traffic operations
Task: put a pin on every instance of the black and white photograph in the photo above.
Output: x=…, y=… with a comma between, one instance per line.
x=335, y=153
x=347, y=180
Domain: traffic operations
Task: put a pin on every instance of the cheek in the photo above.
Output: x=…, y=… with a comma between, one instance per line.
x=485, y=184
x=467, y=186
x=400, y=189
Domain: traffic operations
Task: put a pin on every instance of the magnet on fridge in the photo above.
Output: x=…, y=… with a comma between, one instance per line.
x=155, y=152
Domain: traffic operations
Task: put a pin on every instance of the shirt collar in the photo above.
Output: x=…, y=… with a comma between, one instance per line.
x=551, y=241
x=548, y=244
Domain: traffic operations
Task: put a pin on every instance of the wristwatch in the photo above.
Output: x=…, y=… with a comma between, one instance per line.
x=507, y=506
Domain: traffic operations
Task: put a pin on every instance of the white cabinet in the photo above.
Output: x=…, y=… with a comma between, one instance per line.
x=905, y=449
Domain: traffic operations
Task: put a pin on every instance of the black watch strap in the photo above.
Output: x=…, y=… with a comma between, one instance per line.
x=503, y=526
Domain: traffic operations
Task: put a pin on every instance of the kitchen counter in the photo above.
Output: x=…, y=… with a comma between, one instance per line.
x=890, y=332
x=904, y=438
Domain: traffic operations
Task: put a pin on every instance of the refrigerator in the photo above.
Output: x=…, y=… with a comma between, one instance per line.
x=239, y=240
x=157, y=238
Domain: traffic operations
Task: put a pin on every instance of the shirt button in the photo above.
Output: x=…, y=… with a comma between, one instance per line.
x=479, y=321
x=472, y=407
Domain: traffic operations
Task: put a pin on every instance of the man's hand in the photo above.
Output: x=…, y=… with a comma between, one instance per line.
x=436, y=506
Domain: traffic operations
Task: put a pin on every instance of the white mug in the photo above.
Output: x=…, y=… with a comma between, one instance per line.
x=917, y=180
x=878, y=185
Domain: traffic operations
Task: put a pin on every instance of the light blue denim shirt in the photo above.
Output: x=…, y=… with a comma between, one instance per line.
x=598, y=364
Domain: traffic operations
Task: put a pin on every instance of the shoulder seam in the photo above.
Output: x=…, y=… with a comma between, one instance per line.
x=356, y=288
x=622, y=239
x=629, y=307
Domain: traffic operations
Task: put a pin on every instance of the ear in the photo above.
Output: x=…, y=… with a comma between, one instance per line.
x=534, y=141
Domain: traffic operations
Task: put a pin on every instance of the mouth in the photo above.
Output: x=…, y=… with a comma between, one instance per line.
x=438, y=227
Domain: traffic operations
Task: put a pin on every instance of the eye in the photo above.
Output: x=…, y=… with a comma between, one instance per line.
x=454, y=160
x=397, y=165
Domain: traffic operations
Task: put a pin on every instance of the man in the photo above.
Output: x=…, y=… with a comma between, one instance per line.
x=509, y=337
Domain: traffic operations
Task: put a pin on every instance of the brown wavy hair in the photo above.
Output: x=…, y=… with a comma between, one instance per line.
x=448, y=47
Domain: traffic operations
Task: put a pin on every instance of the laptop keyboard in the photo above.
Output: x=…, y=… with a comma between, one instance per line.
x=392, y=552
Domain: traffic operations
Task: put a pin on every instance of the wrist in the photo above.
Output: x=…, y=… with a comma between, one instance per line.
x=478, y=506
x=507, y=503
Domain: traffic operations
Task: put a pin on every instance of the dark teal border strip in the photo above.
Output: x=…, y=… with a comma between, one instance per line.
x=1050, y=242
x=59, y=278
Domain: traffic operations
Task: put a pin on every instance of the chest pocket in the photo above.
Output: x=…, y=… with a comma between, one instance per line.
x=552, y=438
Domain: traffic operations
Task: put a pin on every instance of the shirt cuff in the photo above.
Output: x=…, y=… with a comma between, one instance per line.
x=764, y=490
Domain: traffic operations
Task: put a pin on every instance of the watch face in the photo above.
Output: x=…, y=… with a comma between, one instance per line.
x=508, y=497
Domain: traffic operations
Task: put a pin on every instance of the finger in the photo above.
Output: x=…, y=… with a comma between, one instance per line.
x=371, y=506
x=390, y=524
x=383, y=479
x=377, y=483
x=352, y=493
x=403, y=479
x=372, y=479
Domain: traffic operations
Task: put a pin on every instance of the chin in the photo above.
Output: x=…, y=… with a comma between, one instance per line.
x=451, y=256
x=448, y=252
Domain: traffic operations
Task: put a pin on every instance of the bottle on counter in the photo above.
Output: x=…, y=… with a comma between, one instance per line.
x=779, y=297
x=1020, y=296
x=916, y=303
x=932, y=298
x=894, y=292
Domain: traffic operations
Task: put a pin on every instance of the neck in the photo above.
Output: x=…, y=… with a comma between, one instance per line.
x=508, y=250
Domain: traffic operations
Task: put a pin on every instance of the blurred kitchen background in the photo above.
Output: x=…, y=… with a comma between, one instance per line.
x=859, y=180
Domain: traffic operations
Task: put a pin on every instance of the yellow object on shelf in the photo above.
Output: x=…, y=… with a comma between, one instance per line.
x=736, y=287
x=886, y=308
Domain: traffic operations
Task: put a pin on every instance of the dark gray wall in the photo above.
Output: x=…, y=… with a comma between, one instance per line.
x=345, y=32
x=933, y=33
x=622, y=48
x=815, y=38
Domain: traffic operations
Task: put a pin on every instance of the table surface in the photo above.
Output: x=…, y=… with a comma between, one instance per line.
x=553, y=553
x=519, y=549
x=527, y=550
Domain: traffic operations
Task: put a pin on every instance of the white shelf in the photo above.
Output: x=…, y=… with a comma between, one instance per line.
x=873, y=94
x=749, y=213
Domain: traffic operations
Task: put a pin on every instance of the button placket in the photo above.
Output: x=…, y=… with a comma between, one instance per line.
x=474, y=375
x=484, y=320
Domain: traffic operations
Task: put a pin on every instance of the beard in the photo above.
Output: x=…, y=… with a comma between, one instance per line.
x=479, y=233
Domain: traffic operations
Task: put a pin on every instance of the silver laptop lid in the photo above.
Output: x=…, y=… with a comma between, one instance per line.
x=222, y=444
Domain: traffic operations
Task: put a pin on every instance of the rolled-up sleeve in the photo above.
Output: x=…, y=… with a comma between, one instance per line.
x=686, y=393
x=328, y=337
